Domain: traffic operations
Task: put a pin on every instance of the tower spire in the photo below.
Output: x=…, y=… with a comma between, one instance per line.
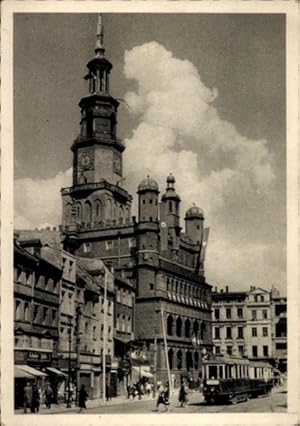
x=99, y=49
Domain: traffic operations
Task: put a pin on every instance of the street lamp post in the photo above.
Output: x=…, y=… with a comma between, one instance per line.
x=197, y=342
x=69, y=364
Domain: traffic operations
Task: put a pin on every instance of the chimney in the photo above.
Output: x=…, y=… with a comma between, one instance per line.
x=226, y=289
x=216, y=289
x=222, y=291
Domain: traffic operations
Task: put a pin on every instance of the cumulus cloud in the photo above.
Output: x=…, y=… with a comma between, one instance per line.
x=37, y=201
x=179, y=130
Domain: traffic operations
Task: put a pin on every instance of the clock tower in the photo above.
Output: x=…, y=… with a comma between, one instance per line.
x=97, y=196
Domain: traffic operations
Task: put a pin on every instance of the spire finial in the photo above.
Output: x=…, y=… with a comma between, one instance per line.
x=99, y=49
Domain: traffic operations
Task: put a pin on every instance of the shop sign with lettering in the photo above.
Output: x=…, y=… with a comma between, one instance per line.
x=39, y=356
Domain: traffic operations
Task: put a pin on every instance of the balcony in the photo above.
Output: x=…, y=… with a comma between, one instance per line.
x=93, y=186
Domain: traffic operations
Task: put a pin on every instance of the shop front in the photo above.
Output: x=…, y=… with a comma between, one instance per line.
x=35, y=367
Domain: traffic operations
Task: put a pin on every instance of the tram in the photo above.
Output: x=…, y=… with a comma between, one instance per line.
x=232, y=380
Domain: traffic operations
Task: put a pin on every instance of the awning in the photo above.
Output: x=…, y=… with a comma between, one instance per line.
x=56, y=371
x=21, y=374
x=142, y=371
x=32, y=371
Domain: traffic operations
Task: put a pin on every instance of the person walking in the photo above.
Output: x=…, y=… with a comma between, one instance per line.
x=183, y=392
x=27, y=397
x=83, y=396
x=35, y=405
x=163, y=397
x=108, y=392
x=148, y=388
x=48, y=396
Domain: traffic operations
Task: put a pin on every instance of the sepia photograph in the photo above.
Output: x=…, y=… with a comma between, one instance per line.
x=151, y=216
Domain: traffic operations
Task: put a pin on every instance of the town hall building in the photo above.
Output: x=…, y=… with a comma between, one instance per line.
x=160, y=261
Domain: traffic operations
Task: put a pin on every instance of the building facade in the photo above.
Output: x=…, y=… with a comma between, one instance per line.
x=242, y=323
x=229, y=323
x=36, y=296
x=80, y=315
x=279, y=329
x=164, y=264
x=259, y=324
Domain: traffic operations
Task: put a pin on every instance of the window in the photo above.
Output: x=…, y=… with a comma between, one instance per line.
x=217, y=314
x=229, y=350
x=26, y=313
x=282, y=346
x=266, y=350
x=255, y=298
x=254, y=351
x=265, y=313
x=151, y=286
x=118, y=296
x=241, y=350
x=45, y=314
x=240, y=312
x=217, y=332
x=109, y=245
x=254, y=332
x=54, y=317
x=228, y=313
x=280, y=309
x=18, y=310
x=128, y=324
x=265, y=331
x=218, y=350
x=240, y=332
x=228, y=333
x=262, y=299
x=94, y=332
x=150, y=201
x=86, y=247
x=253, y=314
x=35, y=312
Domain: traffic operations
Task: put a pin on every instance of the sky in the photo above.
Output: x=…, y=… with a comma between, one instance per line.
x=204, y=99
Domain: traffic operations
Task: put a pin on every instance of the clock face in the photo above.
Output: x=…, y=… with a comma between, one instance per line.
x=163, y=224
x=85, y=160
x=117, y=164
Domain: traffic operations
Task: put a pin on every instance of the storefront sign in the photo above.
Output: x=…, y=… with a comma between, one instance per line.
x=39, y=356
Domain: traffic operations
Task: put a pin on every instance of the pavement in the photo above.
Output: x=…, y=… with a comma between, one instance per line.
x=92, y=403
x=276, y=402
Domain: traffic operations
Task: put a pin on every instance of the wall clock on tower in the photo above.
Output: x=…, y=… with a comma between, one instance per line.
x=85, y=160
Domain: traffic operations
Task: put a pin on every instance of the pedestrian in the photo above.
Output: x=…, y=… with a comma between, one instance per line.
x=83, y=396
x=142, y=389
x=148, y=388
x=108, y=392
x=48, y=396
x=183, y=392
x=35, y=405
x=27, y=397
x=128, y=391
x=163, y=397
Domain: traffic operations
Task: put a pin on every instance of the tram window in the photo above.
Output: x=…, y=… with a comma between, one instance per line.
x=212, y=372
x=221, y=371
x=228, y=375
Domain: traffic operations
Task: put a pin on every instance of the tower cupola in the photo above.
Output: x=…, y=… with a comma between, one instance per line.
x=170, y=203
x=99, y=67
x=194, y=218
x=148, y=200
